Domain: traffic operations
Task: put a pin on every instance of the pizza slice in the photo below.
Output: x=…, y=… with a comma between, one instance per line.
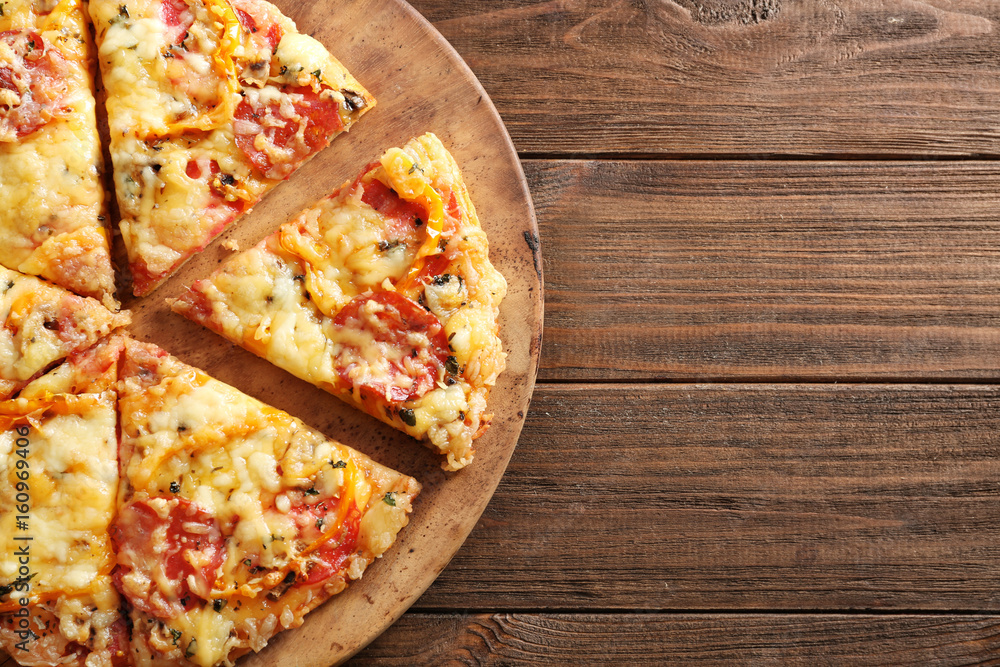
x=211, y=104
x=43, y=324
x=58, y=495
x=235, y=519
x=383, y=294
x=52, y=221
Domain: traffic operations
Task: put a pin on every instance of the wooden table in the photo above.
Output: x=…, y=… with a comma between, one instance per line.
x=765, y=427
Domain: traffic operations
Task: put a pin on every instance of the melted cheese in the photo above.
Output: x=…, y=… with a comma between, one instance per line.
x=43, y=324
x=73, y=484
x=51, y=223
x=170, y=105
x=280, y=298
x=242, y=462
x=58, y=458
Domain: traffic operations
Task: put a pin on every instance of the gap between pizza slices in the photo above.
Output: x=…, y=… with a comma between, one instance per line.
x=210, y=104
x=382, y=294
x=212, y=520
x=52, y=218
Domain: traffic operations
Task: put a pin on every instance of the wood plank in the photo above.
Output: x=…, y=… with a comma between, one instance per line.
x=735, y=76
x=769, y=270
x=657, y=639
x=741, y=497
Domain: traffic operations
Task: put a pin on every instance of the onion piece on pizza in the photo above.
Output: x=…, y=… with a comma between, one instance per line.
x=236, y=519
x=211, y=104
x=382, y=293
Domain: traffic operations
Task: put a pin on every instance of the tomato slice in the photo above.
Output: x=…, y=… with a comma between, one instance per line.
x=34, y=78
x=268, y=38
x=434, y=265
x=143, y=279
x=169, y=553
x=118, y=647
x=246, y=20
x=313, y=518
x=7, y=79
x=411, y=347
x=178, y=18
x=402, y=217
x=265, y=127
x=328, y=559
x=273, y=36
x=194, y=171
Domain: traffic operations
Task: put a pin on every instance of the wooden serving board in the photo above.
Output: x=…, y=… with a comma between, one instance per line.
x=421, y=84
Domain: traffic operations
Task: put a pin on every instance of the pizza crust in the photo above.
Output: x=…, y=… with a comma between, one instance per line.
x=210, y=106
x=315, y=299
x=53, y=221
x=286, y=517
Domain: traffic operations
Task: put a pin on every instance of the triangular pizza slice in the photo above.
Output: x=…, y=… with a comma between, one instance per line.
x=383, y=294
x=58, y=497
x=43, y=324
x=235, y=519
x=211, y=103
x=52, y=215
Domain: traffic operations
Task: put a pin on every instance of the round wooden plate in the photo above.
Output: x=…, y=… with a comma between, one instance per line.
x=421, y=85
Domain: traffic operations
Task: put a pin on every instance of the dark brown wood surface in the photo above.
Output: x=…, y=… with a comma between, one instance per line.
x=662, y=639
x=766, y=424
x=735, y=77
x=667, y=270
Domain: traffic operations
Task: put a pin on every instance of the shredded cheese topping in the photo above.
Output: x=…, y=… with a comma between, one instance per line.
x=282, y=298
x=279, y=491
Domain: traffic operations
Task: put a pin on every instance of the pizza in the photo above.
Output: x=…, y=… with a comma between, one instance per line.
x=211, y=103
x=58, y=496
x=235, y=519
x=149, y=513
x=152, y=515
x=43, y=324
x=382, y=293
x=52, y=222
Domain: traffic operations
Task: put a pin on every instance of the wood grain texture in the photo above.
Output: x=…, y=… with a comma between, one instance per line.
x=659, y=639
x=769, y=270
x=735, y=76
x=729, y=497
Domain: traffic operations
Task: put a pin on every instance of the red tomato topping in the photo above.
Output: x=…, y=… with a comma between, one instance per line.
x=193, y=169
x=453, y=210
x=176, y=557
x=34, y=77
x=7, y=79
x=318, y=117
x=434, y=265
x=270, y=38
x=197, y=306
x=143, y=279
x=246, y=21
x=178, y=18
x=402, y=216
x=413, y=341
x=274, y=35
x=328, y=559
x=119, y=644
